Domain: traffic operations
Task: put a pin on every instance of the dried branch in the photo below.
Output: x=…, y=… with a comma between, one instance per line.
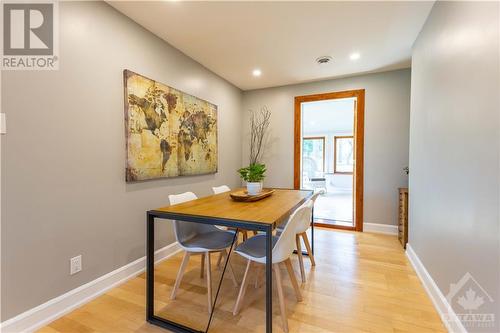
x=259, y=124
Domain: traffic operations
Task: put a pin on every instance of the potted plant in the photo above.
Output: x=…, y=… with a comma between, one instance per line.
x=254, y=173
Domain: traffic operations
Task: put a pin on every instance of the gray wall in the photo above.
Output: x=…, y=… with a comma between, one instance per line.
x=387, y=108
x=63, y=158
x=454, y=145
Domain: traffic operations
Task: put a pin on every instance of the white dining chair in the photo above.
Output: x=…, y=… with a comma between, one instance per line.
x=220, y=189
x=254, y=250
x=199, y=238
x=301, y=232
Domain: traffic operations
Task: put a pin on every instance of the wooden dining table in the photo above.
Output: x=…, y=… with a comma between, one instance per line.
x=219, y=209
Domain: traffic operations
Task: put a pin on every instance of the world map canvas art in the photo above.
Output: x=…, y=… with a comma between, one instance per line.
x=168, y=133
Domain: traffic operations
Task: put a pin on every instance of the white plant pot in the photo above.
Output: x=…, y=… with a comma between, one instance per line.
x=254, y=188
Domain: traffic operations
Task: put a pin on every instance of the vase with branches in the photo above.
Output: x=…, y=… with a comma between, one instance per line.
x=254, y=173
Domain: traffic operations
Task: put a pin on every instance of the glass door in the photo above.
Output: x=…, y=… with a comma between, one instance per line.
x=313, y=161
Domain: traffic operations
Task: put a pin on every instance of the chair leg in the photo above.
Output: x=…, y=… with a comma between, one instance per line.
x=231, y=271
x=301, y=260
x=295, y=284
x=219, y=260
x=308, y=247
x=209, y=282
x=237, y=238
x=258, y=272
x=243, y=288
x=180, y=274
x=202, y=270
x=245, y=235
x=281, y=298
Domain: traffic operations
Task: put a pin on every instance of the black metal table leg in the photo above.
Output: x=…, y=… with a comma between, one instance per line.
x=214, y=303
x=150, y=237
x=269, y=279
x=312, y=230
x=209, y=220
x=150, y=259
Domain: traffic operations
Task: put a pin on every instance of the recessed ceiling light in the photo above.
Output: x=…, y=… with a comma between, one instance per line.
x=355, y=56
x=257, y=72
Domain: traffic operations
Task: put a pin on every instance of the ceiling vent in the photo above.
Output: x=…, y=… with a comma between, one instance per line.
x=324, y=60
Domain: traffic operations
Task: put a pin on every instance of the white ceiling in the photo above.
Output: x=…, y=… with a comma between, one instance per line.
x=328, y=116
x=284, y=39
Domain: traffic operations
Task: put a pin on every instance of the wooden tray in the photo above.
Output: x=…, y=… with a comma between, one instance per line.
x=242, y=195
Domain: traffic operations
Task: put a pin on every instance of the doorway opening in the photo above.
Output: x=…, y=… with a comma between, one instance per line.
x=328, y=155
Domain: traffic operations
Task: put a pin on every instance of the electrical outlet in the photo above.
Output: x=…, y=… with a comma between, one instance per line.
x=75, y=265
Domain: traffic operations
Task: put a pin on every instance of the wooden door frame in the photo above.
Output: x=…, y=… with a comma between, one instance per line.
x=359, y=120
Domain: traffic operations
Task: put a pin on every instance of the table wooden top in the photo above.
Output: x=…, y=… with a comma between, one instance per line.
x=270, y=210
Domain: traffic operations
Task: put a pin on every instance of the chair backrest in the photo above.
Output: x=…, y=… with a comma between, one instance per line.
x=186, y=230
x=306, y=217
x=286, y=243
x=221, y=189
x=180, y=198
x=314, y=197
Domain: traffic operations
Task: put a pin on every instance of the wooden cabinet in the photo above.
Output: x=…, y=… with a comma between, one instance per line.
x=403, y=217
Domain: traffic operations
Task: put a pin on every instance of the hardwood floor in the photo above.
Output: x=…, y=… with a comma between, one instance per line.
x=362, y=282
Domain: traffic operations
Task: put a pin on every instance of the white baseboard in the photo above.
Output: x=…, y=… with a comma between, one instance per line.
x=49, y=311
x=387, y=229
x=450, y=319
